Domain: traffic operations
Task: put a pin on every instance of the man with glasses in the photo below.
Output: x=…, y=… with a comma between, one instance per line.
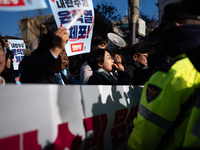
x=137, y=68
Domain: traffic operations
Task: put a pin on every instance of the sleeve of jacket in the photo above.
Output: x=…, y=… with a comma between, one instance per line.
x=33, y=71
x=129, y=70
x=159, y=106
x=123, y=78
x=85, y=73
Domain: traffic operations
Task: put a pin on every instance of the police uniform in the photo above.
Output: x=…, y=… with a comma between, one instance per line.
x=192, y=135
x=160, y=105
x=167, y=114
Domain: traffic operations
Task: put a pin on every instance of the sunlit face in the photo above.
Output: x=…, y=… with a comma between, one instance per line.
x=108, y=62
x=8, y=63
x=2, y=59
x=64, y=60
x=118, y=58
x=99, y=46
x=142, y=59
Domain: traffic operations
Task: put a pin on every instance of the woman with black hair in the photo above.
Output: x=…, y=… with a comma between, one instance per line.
x=102, y=64
x=120, y=57
x=9, y=60
x=5, y=76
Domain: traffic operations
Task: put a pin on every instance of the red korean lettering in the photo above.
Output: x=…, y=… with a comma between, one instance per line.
x=30, y=141
x=120, y=116
x=98, y=125
x=66, y=139
x=12, y=3
x=118, y=133
x=10, y=143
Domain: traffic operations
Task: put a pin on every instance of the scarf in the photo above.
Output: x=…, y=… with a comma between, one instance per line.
x=108, y=76
x=178, y=40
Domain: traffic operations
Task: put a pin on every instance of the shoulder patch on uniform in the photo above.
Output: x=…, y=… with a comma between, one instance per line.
x=152, y=92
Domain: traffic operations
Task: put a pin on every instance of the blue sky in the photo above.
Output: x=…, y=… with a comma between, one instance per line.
x=9, y=20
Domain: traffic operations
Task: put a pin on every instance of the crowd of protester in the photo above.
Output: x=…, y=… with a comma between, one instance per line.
x=42, y=62
x=167, y=64
x=75, y=68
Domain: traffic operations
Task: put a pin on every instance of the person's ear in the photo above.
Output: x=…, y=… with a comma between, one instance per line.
x=100, y=64
x=135, y=57
x=94, y=47
x=176, y=24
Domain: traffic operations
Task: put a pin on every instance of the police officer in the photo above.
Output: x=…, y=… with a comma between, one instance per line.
x=166, y=104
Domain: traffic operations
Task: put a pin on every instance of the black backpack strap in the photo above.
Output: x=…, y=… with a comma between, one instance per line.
x=166, y=66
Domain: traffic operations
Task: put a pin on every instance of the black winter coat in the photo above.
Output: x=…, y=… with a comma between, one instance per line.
x=98, y=79
x=138, y=75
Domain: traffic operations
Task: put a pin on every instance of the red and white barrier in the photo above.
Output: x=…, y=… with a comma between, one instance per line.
x=35, y=117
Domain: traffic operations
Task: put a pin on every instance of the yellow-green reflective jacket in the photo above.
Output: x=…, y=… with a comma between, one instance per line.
x=192, y=134
x=160, y=104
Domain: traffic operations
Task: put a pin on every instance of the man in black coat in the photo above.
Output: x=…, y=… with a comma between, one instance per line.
x=48, y=61
x=137, y=69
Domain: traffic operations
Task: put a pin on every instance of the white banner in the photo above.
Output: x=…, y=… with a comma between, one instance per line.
x=21, y=5
x=78, y=17
x=53, y=117
x=17, y=47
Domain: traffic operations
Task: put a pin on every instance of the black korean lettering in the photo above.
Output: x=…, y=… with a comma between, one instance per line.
x=73, y=32
x=61, y=4
x=77, y=2
x=78, y=13
x=13, y=45
x=85, y=3
x=16, y=45
x=19, y=45
x=88, y=19
x=14, y=51
x=82, y=31
x=18, y=58
x=20, y=51
x=69, y=3
x=22, y=45
x=64, y=17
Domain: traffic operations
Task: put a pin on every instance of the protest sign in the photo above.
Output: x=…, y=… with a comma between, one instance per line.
x=21, y=5
x=78, y=17
x=57, y=117
x=17, y=47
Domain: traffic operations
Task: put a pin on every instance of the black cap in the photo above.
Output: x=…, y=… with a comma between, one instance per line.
x=176, y=11
x=152, y=41
x=191, y=6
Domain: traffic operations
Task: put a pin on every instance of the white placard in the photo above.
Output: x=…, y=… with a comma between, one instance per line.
x=17, y=47
x=36, y=117
x=21, y=5
x=78, y=17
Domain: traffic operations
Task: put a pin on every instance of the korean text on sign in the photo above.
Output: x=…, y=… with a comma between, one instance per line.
x=78, y=17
